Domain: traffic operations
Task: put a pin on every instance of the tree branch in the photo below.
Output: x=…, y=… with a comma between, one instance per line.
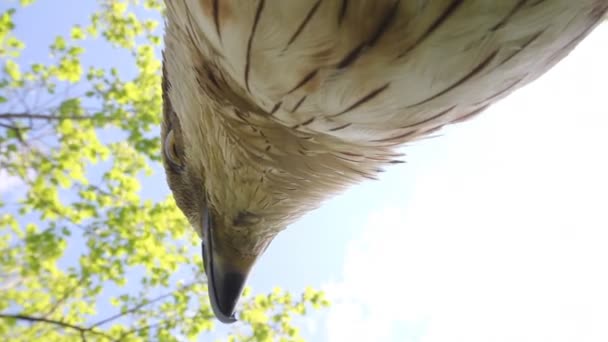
x=77, y=328
x=17, y=131
x=139, y=306
x=64, y=297
x=47, y=117
x=136, y=330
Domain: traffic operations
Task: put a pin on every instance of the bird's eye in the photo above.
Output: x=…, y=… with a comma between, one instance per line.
x=171, y=150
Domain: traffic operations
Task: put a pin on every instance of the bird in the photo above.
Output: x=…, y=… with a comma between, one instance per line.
x=271, y=107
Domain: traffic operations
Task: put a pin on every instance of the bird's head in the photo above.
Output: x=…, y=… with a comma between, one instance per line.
x=217, y=190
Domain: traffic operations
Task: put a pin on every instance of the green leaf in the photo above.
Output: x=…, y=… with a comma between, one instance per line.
x=77, y=33
x=13, y=70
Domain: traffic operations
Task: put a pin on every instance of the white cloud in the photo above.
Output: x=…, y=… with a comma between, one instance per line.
x=8, y=183
x=505, y=239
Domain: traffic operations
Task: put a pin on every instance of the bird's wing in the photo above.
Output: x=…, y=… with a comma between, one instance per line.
x=378, y=73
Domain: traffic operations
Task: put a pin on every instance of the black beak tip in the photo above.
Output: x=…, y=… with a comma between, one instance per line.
x=224, y=294
x=225, y=289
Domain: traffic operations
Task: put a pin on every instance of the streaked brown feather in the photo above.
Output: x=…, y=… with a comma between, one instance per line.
x=283, y=104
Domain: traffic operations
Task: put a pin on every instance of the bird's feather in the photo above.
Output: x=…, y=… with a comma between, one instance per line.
x=285, y=103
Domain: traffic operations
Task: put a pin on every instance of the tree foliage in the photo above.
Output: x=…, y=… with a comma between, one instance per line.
x=83, y=254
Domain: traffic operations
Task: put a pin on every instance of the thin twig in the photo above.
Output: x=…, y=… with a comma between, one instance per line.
x=47, y=117
x=139, y=306
x=64, y=297
x=136, y=330
x=62, y=324
x=8, y=126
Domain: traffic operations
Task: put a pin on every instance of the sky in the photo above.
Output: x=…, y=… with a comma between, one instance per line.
x=503, y=235
x=493, y=231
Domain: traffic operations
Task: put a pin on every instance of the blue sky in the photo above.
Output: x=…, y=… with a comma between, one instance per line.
x=494, y=231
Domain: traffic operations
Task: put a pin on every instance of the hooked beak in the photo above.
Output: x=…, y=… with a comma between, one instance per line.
x=226, y=270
